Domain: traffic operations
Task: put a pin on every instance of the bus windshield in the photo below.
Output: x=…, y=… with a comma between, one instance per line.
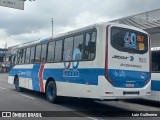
x=127, y=40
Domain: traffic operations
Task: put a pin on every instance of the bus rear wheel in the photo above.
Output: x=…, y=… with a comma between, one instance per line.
x=19, y=89
x=51, y=92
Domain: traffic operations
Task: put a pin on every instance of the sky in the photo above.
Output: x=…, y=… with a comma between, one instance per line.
x=34, y=22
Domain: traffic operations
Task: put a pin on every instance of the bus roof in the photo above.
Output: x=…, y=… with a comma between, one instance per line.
x=46, y=39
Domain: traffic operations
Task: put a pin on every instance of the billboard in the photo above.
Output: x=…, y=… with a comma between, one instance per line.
x=17, y=4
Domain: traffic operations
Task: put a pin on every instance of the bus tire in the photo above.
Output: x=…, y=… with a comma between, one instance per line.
x=51, y=92
x=19, y=89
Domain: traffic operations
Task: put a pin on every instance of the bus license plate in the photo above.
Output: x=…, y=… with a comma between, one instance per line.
x=129, y=85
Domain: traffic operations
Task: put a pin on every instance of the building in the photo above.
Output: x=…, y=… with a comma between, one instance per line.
x=3, y=58
x=2, y=54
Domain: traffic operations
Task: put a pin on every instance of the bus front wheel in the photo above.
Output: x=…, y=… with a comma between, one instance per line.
x=51, y=92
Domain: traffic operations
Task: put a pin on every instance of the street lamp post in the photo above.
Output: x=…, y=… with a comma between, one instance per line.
x=5, y=51
x=52, y=26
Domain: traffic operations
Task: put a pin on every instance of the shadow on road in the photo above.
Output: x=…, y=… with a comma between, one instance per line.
x=145, y=102
x=86, y=107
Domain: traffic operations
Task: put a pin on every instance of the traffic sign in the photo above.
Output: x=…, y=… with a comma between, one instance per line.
x=17, y=4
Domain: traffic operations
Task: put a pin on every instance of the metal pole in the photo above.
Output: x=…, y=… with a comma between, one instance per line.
x=5, y=52
x=52, y=26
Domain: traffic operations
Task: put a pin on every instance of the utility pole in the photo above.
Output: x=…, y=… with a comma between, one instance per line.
x=52, y=26
x=5, y=51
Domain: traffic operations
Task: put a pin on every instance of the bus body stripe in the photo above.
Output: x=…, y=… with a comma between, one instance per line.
x=85, y=76
x=41, y=77
x=34, y=76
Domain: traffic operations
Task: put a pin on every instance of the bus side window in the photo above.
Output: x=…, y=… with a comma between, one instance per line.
x=51, y=50
x=68, y=49
x=90, y=46
x=43, y=53
x=32, y=54
x=154, y=66
x=155, y=62
x=58, y=51
x=78, y=44
x=38, y=53
x=158, y=65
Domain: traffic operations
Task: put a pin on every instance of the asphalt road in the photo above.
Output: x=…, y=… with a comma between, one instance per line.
x=71, y=109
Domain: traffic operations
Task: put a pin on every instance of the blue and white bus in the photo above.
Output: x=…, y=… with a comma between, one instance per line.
x=101, y=61
x=155, y=75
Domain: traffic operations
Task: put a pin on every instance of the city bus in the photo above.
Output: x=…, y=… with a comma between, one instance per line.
x=102, y=61
x=155, y=75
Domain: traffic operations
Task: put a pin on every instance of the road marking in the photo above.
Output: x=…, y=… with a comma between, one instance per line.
x=2, y=88
x=85, y=116
x=27, y=96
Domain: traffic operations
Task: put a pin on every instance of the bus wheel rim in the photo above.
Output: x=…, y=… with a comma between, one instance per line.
x=51, y=92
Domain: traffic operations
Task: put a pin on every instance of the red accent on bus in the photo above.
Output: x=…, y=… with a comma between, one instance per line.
x=106, y=60
x=41, y=78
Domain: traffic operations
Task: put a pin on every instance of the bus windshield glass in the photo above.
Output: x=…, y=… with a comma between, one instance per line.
x=127, y=40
